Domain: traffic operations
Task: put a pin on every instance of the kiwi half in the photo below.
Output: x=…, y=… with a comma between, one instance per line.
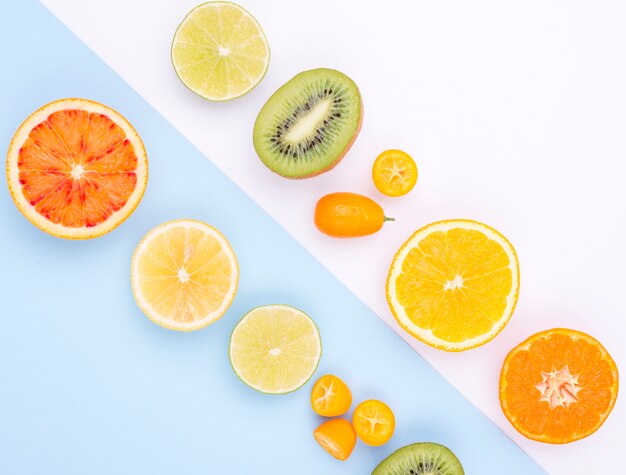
x=309, y=124
x=423, y=458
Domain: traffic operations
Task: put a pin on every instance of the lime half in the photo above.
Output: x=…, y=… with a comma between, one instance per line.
x=219, y=51
x=275, y=349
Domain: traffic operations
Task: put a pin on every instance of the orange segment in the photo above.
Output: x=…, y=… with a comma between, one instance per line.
x=76, y=169
x=558, y=386
x=337, y=437
x=394, y=173
x=374, y=422
x=454, y=284
x=330, y=396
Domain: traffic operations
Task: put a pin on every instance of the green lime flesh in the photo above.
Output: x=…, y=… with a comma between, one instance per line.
x=260, y=389
x=308, y=124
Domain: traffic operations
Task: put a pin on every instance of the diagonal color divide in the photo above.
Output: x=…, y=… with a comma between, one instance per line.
x=447, y=135
x=514, y=112
x=91, y=386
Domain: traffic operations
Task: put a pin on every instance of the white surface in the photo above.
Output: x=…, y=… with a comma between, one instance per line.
x=514, y=112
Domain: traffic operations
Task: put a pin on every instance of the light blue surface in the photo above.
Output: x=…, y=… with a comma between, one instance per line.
x=90, y=386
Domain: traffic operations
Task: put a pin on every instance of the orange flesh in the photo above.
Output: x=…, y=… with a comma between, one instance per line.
x=77, y=168
x=455, y=284
x=558, y=386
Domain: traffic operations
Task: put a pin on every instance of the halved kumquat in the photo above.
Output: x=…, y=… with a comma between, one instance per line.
x=394, y=173
x=374, y=422
x=330, y=396
x=337, y=437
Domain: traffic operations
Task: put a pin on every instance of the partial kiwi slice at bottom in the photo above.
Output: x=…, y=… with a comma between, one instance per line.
x=423, y=458
x=309, y=124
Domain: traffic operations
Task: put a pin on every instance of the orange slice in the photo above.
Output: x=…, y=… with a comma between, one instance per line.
x=558, y=386
x=76, y=169
x=374, y=422
x=454, y=284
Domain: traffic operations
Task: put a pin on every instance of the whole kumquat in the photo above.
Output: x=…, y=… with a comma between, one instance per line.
x=345, y=215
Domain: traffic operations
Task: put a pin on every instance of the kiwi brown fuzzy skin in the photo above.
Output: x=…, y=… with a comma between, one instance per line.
x=339, y=156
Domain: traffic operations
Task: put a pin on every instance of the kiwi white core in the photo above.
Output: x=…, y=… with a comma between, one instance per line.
x=307, y=125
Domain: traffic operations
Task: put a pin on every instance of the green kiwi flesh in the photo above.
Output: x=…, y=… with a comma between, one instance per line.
x=308, y=124
x=423, y=458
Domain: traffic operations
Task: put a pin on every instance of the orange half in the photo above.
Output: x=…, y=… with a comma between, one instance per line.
x=454, y=284
x=76, y=169
x=558, y=386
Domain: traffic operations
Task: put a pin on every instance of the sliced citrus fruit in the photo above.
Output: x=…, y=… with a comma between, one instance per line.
x=275, y=349
x=373, y=422
x=330, y=396
x=454, y=284
x=337, y=437
x=558, y=386
x=394, y=173
x=220, y=51
x=76, y=169
x=184, y=275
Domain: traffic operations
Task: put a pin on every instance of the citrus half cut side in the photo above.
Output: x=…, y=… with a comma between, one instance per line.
x=558, y=386
x=76, y=169
x=275, y=349
x=454, y=284
x=184, y=275
x=219, y=51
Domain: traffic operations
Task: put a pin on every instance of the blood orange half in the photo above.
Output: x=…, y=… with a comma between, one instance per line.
x=76, y=169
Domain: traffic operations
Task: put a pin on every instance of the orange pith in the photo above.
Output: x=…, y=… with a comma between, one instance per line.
x=76, y=168
x=558, y=386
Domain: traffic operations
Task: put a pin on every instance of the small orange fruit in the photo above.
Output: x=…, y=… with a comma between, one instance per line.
x=394, y=173
x=337, y=437
x=558, y=386
x=330, y=396
x=345, y=215
x=374, y=422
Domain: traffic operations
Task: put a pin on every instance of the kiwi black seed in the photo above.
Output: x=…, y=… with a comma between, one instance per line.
x=309, y=124
x=423, y=458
